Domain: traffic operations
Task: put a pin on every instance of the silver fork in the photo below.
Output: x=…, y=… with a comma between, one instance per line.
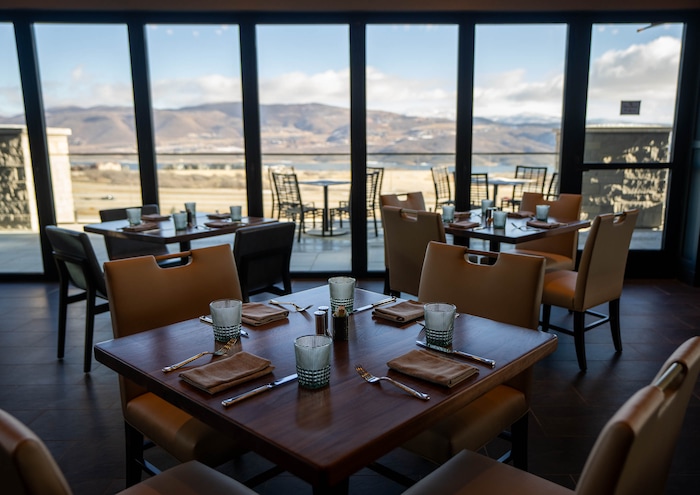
x=220, y=352
x=296, y=306
x=369, y=377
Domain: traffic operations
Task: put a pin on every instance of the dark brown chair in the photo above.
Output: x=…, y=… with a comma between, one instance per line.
x=263, y=254
x=77, y=268
x=373, y=184
x=28, y=467
x=290, y=203
x=478, y=190
x=536, y=178
x=632, y=455
x=128, y=248
x=443, y=189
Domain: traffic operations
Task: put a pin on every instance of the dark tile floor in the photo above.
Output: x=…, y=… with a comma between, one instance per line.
x=79, y=417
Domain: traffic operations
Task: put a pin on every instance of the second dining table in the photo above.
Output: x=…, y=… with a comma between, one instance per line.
x=323, y=436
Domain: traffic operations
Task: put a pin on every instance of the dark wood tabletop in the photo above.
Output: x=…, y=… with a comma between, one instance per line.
x=324, y=436
x=516, y=231
x=165, y=232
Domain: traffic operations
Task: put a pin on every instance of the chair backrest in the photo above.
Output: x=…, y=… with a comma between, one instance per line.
x=443, y=189
x=601, y=271
x=76, y=258
x=128, y=248
x=537, y=177
x=633, y=452
x=26, y=465
x=479, y=189
x=412, y=200
x=406, y=236
x=263, y=254
x=273, y=186
x=373, y=185
x=287, y=186
x=509, y=291
x=553, y=188
x=380, y=181
x=566, y=208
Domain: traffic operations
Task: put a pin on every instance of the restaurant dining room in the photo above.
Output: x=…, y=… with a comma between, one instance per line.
x=350, y=248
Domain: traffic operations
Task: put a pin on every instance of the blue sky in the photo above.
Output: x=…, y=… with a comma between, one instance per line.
x=411, y=69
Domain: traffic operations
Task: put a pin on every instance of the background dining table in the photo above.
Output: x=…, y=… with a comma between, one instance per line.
x=323, y=436
x=326, y=227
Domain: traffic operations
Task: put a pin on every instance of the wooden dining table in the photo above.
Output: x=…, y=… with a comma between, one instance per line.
x=164, y=231
x=516, y=231
x=324, y=436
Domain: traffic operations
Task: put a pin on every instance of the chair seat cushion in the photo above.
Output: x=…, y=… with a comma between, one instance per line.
x=472, y=427
x=189, y=478
x=183, y=436
x=553, y=261
x=559, y=289
x=471, y=473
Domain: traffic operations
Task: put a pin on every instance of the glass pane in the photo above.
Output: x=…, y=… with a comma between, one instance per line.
x=518, y=92
x=88, y=98
x=305, y=123
x=196, y=90
x=20, y=251
x=617, y=190
x=632, y=92
x=411, y=109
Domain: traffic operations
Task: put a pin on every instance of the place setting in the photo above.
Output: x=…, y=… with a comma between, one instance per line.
x=136, y=224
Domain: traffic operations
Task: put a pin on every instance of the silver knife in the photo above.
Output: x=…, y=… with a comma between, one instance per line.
x=207, y=319
x=258, y=390
x=488, y=362
x=374, y=305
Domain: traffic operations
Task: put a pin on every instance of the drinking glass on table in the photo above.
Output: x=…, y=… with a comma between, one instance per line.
x=191, y=209
x=236, y=213
x=499, y=219
x=180, y=220
x=134, y=216
x=226, y=318
x=542, y=212
x=313, y=360
x=439, y=323
x=342, y=292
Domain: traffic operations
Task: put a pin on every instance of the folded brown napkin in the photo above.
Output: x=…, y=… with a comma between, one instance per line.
x=155, y=217
x=462, y=215
x=433, y=368
x=542, y=225
x=225, y=373
x=257, y=314
x=520, y=214
x=141, y=227
x=218, y=216
x=217, y=224
x=464, y=224
x=401, y=312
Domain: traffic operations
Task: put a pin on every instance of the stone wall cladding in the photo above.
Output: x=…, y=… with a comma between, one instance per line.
x=15, y=211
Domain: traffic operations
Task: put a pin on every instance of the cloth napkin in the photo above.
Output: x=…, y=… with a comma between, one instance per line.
x=433, y=368
x=155, y=217
x=462, y=215
x=141, y=227
x=464, y=224
x=257, y=314
x=217, y=224
x=225, y=373
x=542, y=225
x=401, y=312
x=218, y=216
x=520, y=214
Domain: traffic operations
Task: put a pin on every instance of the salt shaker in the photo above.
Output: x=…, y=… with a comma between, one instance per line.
x=320, y=318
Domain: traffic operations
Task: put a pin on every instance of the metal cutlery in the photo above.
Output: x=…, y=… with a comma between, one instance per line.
x=488, y=362
x=258, y=390
x=374, y=305
x=369, y=377
x=295, y=305
x=220, y=352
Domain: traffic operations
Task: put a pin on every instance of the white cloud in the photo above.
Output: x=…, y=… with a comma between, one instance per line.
x=213, y=88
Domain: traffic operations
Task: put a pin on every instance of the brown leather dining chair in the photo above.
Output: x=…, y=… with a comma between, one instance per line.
x=406, y=236
x=28, y=467
x=631, y=456
x=509, y=291
x=599, y=280
x=559, y=251
x=412, y=200
x=142, y=296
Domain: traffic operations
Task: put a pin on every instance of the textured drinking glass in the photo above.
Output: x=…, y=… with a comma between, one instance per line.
x=439, y=323
x=499, y=219
x=180, y=220
x=448, y=213
x=542, y=212
x=133, y=215
x=313, y=359
x=485, y=205
x=191, y=209
x=226, y=318
x=342, y=291
x=235, y=213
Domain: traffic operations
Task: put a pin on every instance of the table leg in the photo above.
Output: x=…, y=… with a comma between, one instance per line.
x=326, y=221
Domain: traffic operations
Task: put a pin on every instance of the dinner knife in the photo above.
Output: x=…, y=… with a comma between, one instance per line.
x=374, y=305
x=488, y=362
x=258, y=390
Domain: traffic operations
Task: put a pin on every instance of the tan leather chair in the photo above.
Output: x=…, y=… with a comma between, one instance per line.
x=631, y=456
x=406, y=235
x=508, y=291
x=143, y=296
x=412, y=200
x=28, y=468
x=598, y=280
x=559, y=251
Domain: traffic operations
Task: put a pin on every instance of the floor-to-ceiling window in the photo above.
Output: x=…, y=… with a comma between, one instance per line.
x=633, y=83
x=195, y=78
